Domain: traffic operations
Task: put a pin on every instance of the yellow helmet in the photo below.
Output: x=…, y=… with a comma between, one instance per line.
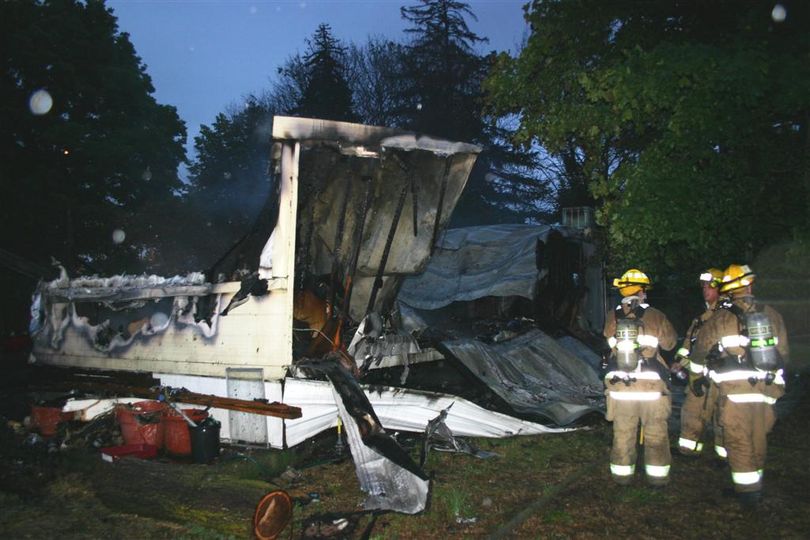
x=736, y=277
x=712, y=276
x=632, y=282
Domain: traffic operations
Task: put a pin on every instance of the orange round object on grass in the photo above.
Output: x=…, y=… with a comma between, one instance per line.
x=273, y=513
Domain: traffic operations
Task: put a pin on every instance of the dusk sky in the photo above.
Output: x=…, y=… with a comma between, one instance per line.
x=204, y=55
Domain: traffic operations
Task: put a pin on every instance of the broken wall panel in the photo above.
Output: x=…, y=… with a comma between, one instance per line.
x=388, y=483
x=251, y=337
x=359, y=217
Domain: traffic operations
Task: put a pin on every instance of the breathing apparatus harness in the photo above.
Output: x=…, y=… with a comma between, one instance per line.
x=625, y=344
x=694, y=328
x=700, y=383
x=755, y=337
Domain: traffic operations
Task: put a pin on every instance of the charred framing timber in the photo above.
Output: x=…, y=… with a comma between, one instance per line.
x=415, y=199
x=440, y=204
x=361, y=225
x=329, y=338
x=303, y=265
x=275, y=409
x=338, y=242
x=378, y=281
x=413, y=187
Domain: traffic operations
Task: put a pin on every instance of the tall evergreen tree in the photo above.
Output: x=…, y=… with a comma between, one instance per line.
x=288, y=87
x=105, y=150
x=443, y=71
x=443, y=96
x=326, y=93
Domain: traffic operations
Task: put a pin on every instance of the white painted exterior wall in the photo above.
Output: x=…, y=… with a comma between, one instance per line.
x=258, y=334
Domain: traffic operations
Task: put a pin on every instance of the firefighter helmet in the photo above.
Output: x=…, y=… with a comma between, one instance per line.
x=736, y=277
x=632, y=282
x=712, y=276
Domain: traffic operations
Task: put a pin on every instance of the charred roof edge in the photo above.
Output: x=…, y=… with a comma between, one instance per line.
x=309, y=129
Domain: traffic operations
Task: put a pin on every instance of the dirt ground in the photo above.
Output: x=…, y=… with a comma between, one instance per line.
x=550, y=486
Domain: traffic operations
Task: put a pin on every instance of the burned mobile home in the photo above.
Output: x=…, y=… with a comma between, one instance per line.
x=361, y=211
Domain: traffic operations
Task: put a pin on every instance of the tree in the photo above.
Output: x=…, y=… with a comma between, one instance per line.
x=375, y=76
x=288, y=87
x=443, y=71
x=230, y=181
x=103, y=153
x=688, y=120
x=443, y=96
x=325, y=94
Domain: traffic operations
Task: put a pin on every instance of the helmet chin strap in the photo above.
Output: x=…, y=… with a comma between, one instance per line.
x=637, y=298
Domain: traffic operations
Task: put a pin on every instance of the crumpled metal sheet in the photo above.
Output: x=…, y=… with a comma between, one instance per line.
x=581, y=350
x=386, y=472
x=440, y=437
x=399, y=409
x=388, y=485
x=534, y=375
x=474, y=262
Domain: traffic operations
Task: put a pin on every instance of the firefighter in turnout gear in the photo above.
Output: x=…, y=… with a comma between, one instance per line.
x=701, y=397
x=637, y=382
x=745, y=348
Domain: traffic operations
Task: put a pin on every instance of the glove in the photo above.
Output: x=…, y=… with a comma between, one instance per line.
x=698, y=384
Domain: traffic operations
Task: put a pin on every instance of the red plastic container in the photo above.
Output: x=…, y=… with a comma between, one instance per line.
x=141, y=451
x=141, y=422
x=177, y=438
x=46, y=419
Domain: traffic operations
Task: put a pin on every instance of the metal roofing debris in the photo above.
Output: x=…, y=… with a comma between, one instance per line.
x=474, y=262
x=386, y=472
x=534, y=375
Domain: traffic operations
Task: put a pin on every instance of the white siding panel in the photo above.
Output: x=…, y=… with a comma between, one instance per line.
x=255, y=334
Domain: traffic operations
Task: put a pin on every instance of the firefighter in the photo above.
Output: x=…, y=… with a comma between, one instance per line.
x=745, y=349
x=636, y=382
x=701, y=397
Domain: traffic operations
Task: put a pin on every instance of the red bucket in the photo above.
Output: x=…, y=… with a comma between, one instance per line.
x=141, y=422
x=177, y=436
x=46, y=419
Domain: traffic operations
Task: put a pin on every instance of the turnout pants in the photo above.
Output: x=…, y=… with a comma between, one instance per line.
x=644, y=402
x=747, y=416
x=696, y=413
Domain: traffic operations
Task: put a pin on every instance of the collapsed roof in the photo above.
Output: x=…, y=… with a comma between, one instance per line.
x=372, y=202
x=558, y=272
